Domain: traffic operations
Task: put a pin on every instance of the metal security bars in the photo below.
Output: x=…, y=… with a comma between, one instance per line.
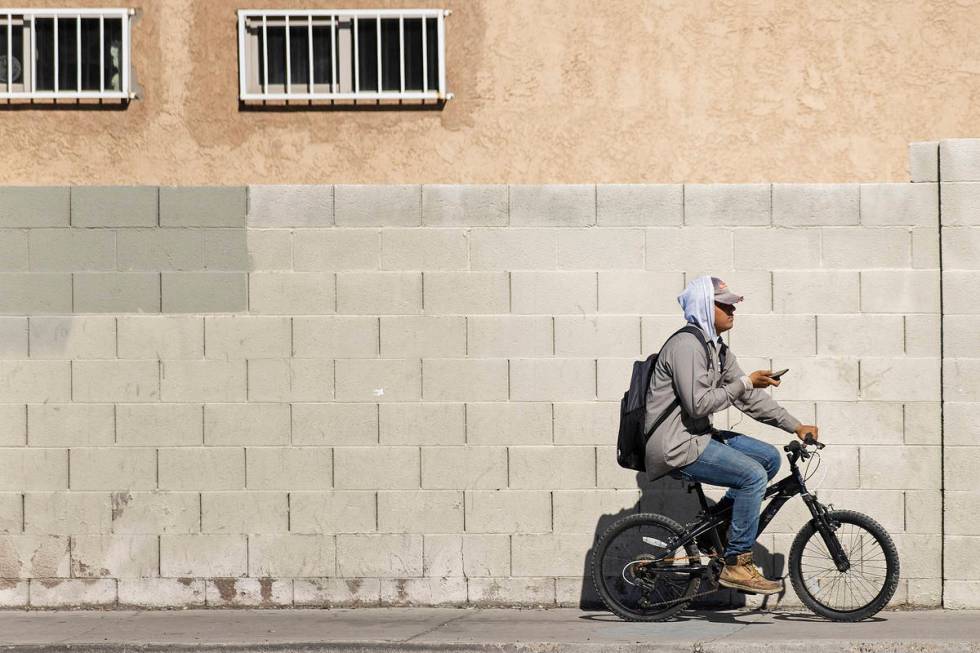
x=53, y=54
x=342, y=54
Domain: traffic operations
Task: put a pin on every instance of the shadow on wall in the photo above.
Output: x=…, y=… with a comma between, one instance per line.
x=671, y=498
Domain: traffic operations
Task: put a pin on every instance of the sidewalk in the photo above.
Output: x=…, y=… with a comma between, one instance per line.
x=500, y=630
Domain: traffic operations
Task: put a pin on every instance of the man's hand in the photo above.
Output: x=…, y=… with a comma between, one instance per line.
x=804, y=430
x=761, y=379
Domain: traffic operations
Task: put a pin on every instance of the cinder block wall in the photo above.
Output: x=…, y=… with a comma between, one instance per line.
x=408, y=394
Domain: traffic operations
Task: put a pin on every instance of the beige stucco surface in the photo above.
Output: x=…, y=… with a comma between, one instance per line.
x=545, y=91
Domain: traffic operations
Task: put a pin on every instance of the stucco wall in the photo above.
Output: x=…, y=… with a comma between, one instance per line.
x=546, y=91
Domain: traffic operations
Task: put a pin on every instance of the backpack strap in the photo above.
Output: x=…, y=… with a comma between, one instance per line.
x=690, y=328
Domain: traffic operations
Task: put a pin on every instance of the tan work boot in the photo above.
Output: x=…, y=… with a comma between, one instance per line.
x=745, y=576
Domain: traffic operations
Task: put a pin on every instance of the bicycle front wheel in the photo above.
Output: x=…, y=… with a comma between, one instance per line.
x=862, y=590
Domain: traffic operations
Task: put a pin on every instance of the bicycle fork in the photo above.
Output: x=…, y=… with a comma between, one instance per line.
x=828, y=531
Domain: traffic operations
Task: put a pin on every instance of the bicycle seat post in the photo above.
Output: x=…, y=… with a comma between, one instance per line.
x=701, y=498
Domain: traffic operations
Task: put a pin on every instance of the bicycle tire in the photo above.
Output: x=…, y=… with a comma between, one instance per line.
x=599, y=552
x=883, y=540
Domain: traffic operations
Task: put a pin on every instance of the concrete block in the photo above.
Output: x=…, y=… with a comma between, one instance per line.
x=961, y=594
x=202, y=206
x=35, y=292
x=727, y=204
x=446, y=205
x=924, y=161
x=960, y=548
x=961, y=248
x=862, y=422
x=159, y=424
x=586, y=423
x=379, y=293
x=817, y=291
x=420, y=424
x=900, y=379
x=65, y=425
x=288, y=555
x=378, y=380
x=961, y=204
x=925, y=248
x=508, y=423
x=464, y=468
x=815, y=204
x=508, y=511
x=73, y=593
x=901, y=468
x=13, y=250
x=860, y=335
x=317, y=250
x=442, y=555
x=114, y=206
x=290, y=379
x=290, y=206
x=958, y=292
x=583, y=511
x=244, y=512
x=612, y=379
x=923, y=511
x=554, y=292
x=336, y=592
x=34, y=556
x=71, y=250
x=193, y=468
x=550, y=554
x=597, y=336
x=247, y=336
x=420, y=511
x=552, y=205
x=503, y=336
x=420, y=336
x=923, y=423
x=289, y=293
x=72, y=337
x=202, y=381
x=115, y=380
x=113, y=468
x=818, y=379
x=160, y=337
x=332, y=512
x=226, y=249
x=116, y=292
x=919, y=555
x=423, y=591
x=466, y=292
x=248, y=593
x=866, y=247
x=335, y=424
x=514, y=249
x=774, y=335
x=959, y=159
x=153, y=250
x=13, y=337
x=424, y=249
x=654, y=331
x=960, y=379
x=958, y=335
x=156, y=512
x=67, y=513
x=374, y=468
x=486, y=555
x=900, y=204
x=639, y=204
x=269, y=249
x=577, y=592
x=673, y=249
x=595, y=249
x=209, y=555
x=632, y=292
x=460, y=379
x=384, y=555
x=335, y=337
x=958, y=422
x=289, y=468
x=205, y=292
x=562, y=468
x=11, y=512
x=34, y=206
x=118, y=556
x=959, y=510
x=246, y=424
x=486, y=592
x=161, y=593
x=567, y=379
x=13, y=425
x=905, y=291
x=386, y=205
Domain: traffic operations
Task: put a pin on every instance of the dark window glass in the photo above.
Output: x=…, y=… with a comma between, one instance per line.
x=90, y=54
x=299, y=55
x=276, y=53
x=432, y=36
x=67, y=54
x=367, y=53
x=44, y=53
x=16, y=54
x=413, y=54
x=390, y=63
x=322, y=59
x=112, y=54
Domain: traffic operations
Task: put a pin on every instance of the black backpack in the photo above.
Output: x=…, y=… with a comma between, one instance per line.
x=632, y=444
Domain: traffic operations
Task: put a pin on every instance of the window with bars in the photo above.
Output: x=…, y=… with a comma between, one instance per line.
x=65, y=53
x=338, y=54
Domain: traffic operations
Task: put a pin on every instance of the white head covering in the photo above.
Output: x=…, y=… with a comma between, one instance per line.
x=698, y=303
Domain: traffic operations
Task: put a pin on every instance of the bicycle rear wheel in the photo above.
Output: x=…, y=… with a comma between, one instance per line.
x=633, y=587
x=862, y=590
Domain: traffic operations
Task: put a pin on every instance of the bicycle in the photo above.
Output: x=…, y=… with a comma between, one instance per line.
x=848, y=572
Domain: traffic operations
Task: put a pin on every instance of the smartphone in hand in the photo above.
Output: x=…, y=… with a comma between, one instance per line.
x=776, y=375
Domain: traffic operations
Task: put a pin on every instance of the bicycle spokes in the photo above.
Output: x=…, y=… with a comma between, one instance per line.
x=852, y=589
x=631, y=569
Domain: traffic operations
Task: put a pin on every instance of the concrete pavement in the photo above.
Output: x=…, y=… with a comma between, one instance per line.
x=382, y=630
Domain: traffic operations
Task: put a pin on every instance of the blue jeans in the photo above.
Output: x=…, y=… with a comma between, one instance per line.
x=744, y=465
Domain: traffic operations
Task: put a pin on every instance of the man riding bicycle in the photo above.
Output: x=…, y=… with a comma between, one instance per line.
x=689, y=386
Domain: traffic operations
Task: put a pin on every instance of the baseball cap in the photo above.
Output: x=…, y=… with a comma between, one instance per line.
x=723, y=293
